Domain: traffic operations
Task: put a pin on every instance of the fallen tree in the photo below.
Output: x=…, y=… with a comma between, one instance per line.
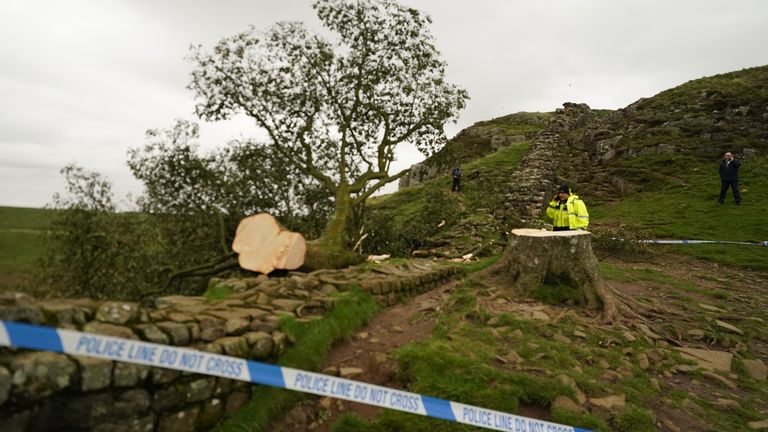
x=264, y=245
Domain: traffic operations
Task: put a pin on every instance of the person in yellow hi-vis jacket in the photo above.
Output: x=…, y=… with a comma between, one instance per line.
x=567, y=211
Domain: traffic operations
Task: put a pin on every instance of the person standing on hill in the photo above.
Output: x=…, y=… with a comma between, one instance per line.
x=456, y=180
x=729, y=177
x=567, y=211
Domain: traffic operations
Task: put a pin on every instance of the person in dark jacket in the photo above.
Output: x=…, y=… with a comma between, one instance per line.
x=729, y=176
x=456, y=180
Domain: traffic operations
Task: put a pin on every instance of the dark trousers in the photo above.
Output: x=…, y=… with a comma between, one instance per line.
x=456, y=184
x=734, y=185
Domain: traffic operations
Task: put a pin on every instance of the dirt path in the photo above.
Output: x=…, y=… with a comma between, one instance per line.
x=365, y=357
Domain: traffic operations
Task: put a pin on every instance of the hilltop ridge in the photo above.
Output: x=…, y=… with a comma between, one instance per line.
x=668, y=144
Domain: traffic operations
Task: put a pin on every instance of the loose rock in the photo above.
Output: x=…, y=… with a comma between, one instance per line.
x=613, y=403
x=565, y=403
x=729, y=327
x=756, y=369
x=711, y=360
x=349, y=372
x=117, y=312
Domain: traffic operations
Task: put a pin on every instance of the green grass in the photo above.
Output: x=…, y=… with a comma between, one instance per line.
x=217, y=292
x=687, y=208
x=481, y=264
x=469, y=341
x=20, y=218
x=635, y=419
x=468, y=345
x=660, y=279
x=411, y=211
x=22, y=243
x=313, y=341
x=405, y=203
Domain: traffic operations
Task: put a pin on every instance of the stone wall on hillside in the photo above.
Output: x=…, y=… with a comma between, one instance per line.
x=534, y=180
x=52, y=391
x=523, y=191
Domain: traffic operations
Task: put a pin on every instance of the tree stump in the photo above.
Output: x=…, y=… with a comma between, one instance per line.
x=534, y=257
x=264, y=245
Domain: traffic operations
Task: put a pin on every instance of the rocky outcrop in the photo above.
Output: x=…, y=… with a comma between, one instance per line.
x=51, y=391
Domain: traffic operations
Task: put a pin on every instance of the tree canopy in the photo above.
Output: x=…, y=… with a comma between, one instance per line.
x=242, y=178
x=335, y=109
x=189, y=211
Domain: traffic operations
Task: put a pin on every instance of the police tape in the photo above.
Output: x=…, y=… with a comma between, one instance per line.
x=686, y=242
x=34, y=337
x=689, y=242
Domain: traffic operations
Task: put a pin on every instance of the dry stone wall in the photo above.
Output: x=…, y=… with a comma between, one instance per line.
x=52, y=391
x=535, y=177
x=517, y=195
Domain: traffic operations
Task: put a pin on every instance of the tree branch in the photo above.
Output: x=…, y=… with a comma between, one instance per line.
x=360, y=199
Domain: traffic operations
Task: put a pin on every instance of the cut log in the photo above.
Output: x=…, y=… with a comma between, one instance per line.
x=535, y=256
x=264, y=245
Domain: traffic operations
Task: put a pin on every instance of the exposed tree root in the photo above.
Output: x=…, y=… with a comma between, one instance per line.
x=534, y=257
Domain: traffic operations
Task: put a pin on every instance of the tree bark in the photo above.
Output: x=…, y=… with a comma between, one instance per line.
x=264, y=245
x=535, y=256
x=333, y=237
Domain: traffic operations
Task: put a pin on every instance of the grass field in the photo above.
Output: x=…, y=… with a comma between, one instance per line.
x=685, y=207
x=22, y=243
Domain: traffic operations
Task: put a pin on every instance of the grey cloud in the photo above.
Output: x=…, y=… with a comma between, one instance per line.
x=82, y=80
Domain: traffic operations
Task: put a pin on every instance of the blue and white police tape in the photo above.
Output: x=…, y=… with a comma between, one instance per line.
x=686, y=242
x=28, y=336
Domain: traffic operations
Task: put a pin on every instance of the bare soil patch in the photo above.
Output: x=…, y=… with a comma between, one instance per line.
x=369, y=350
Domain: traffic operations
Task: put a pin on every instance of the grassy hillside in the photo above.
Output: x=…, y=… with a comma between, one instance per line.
x=481, y=139
x=698, y=121
x=409, y=219
x=475, y=141
x=684, y=206
x=22, y=235
x=679, y=201
x=654, y=165
x=701, y=117
x=427, y=216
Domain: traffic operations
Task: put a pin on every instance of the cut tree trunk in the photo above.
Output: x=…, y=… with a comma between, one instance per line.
x=264, y=245
x=534, y=257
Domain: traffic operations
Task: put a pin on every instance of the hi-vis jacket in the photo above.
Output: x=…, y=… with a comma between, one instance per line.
x=572, y=213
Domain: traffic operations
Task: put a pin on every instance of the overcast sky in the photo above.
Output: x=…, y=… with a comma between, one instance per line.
x=82, y=80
